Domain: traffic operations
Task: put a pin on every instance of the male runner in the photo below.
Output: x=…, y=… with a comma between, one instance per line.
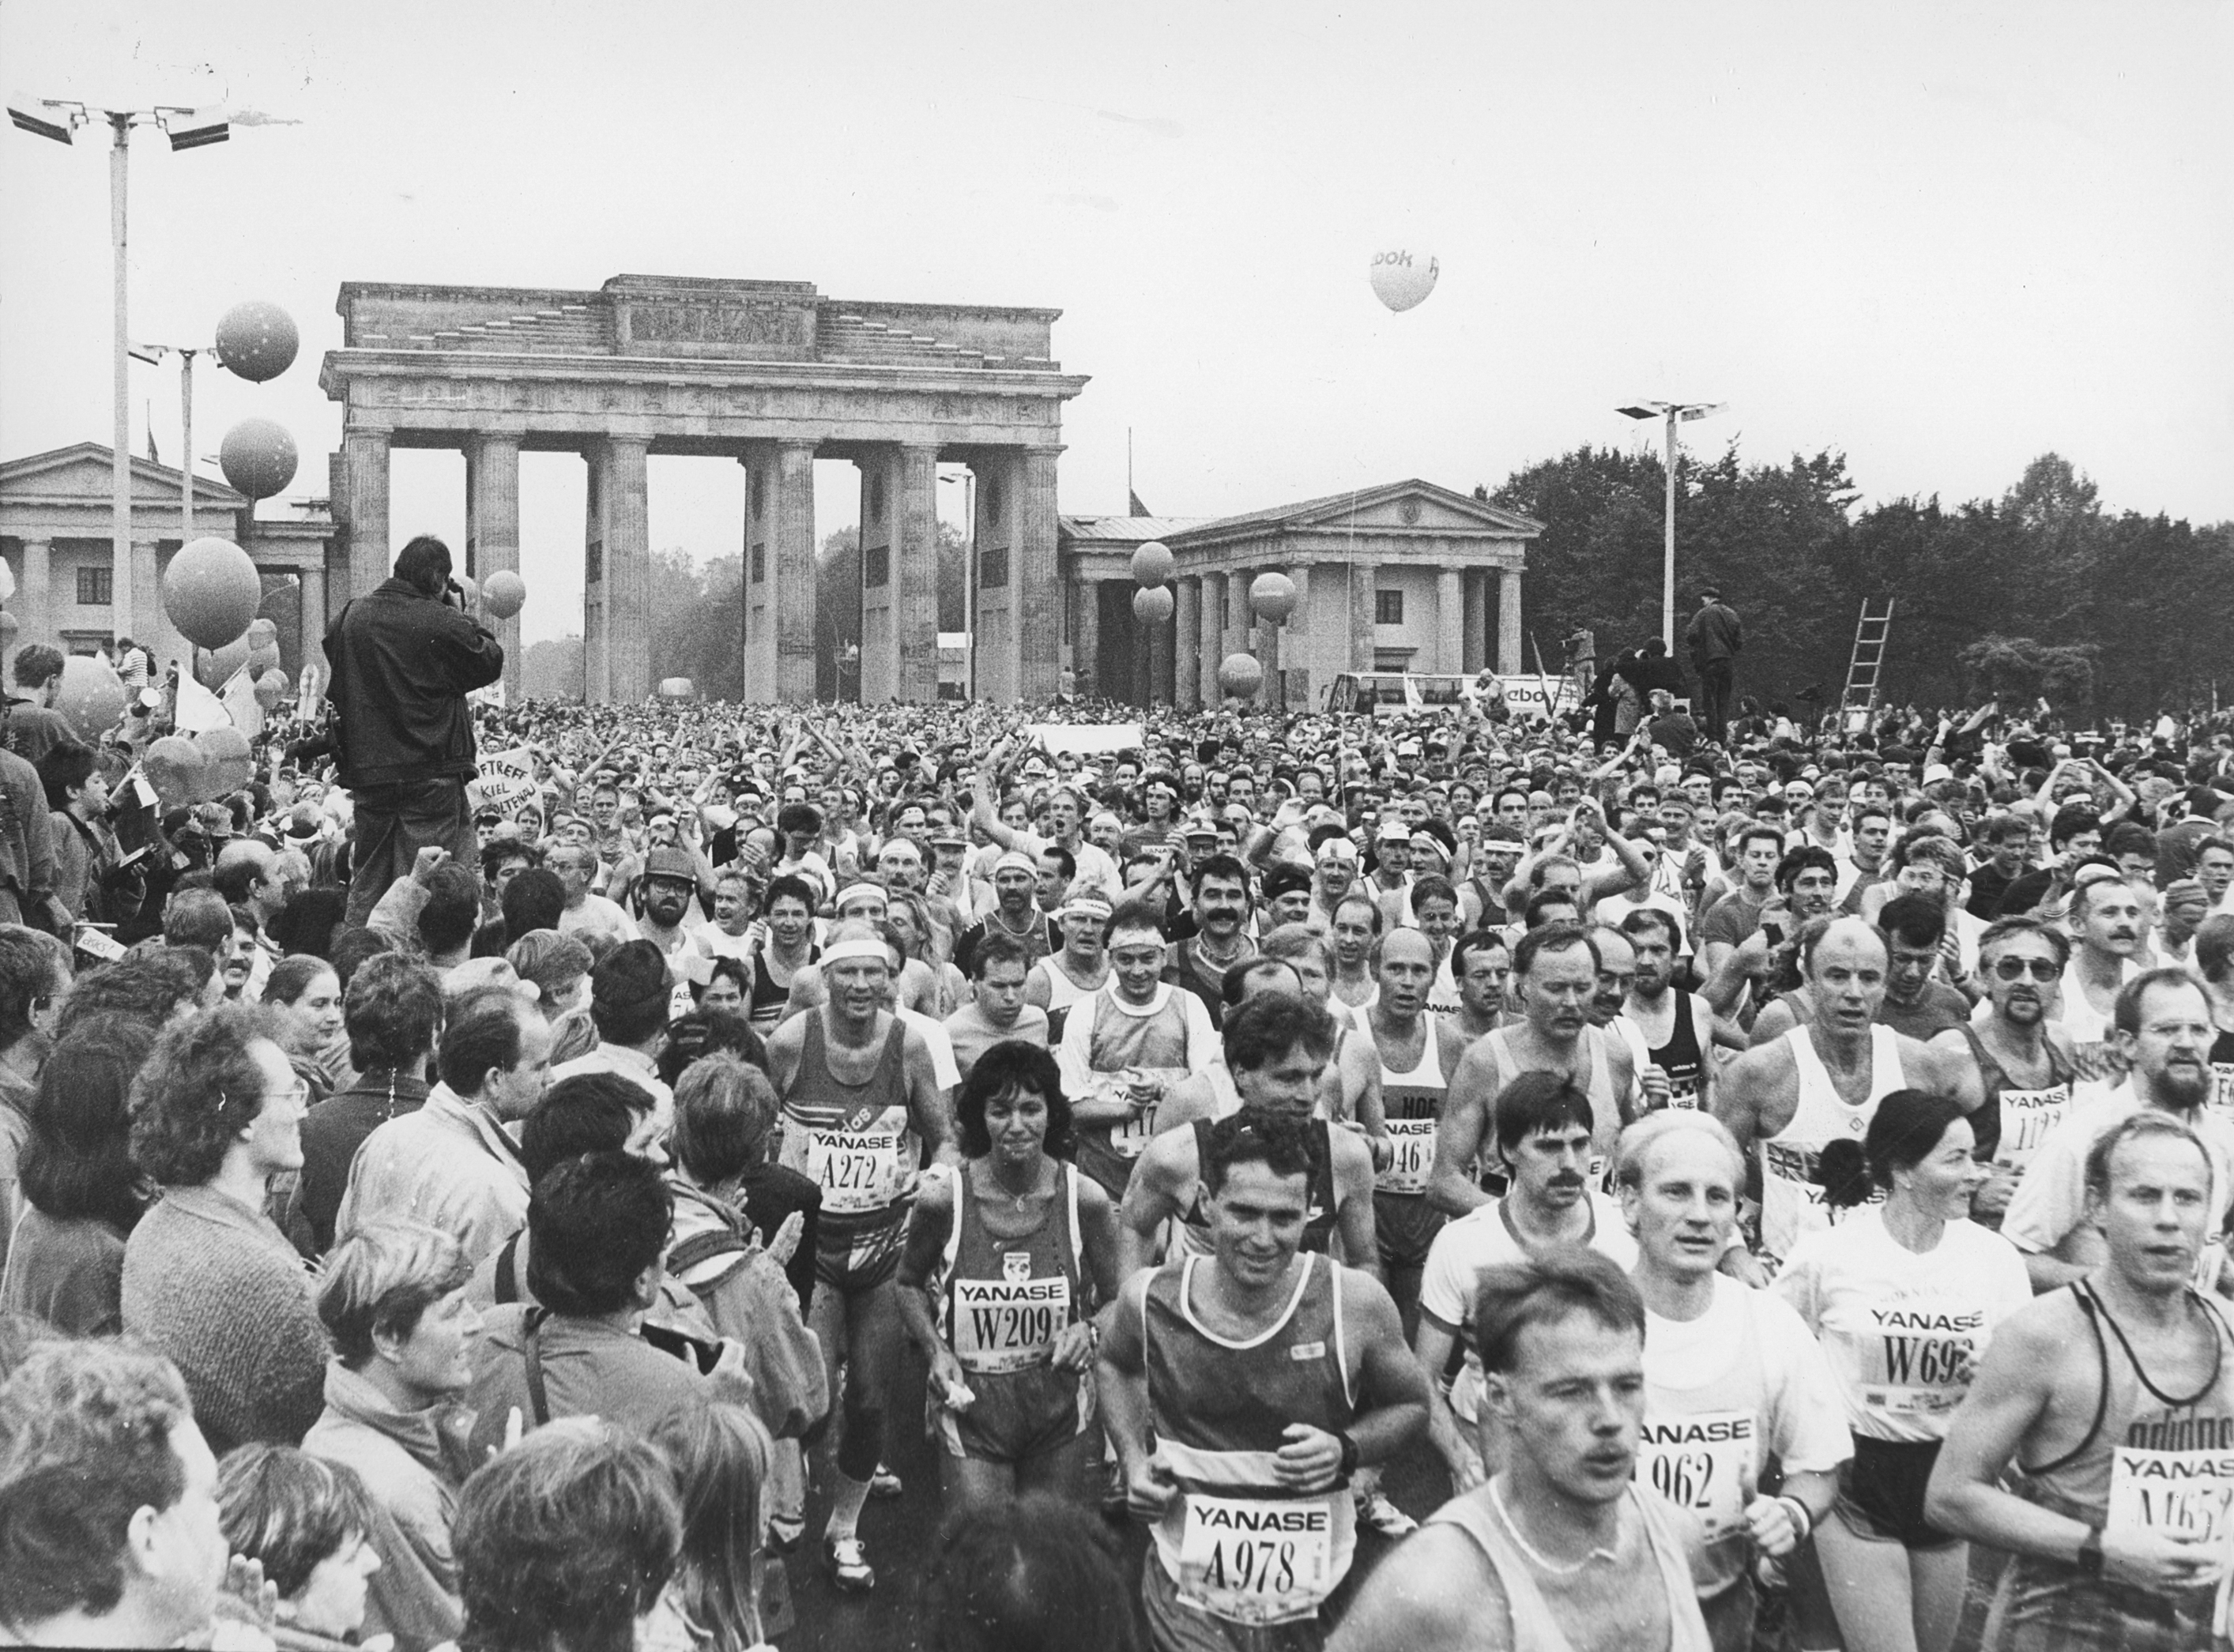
x=1058, y=980
x=1221, y=937
x=2106, y=922
x=1543, y=1135
x=1732, y=1374
x=1557, y=972
x=1015, y=914
x=2114, y=1399
x=861, y=1105
x=1824, y=1079
x=1562, y=1547
x=1481, y=961
x=1125, y=1046
x=996, y=1010
x=2024, y=1062
x=1419, y=1051
x=1242, y=1390
x=2163, y=1036
x=1357, y=925
x=1678, y=1027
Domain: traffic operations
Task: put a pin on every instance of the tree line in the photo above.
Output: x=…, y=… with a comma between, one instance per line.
x=2039, y=593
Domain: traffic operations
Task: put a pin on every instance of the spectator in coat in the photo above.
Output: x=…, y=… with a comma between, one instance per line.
x=404, y=657
x=1714, y=639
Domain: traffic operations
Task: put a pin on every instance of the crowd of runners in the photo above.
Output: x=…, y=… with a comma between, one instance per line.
x=1779, y=1183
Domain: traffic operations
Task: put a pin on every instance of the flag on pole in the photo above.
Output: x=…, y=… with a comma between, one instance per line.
x=198, y=708
x=238, y=696
x=153, y=456
x=1138, y=508
x=1412, y=699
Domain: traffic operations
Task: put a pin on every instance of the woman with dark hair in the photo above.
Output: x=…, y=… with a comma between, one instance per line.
x=304, y=996
x=309, y=1524
x=1025, y=1249
x=83, y=1195
x=1903, y=1296
x=209, y=1280
x=1033, y=1574
x=719, y=1455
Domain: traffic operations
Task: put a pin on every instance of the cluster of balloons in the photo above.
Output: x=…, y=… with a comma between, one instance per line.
x=257, y=341
x=186, y=769
x=1152, y=572
x=1271, y=598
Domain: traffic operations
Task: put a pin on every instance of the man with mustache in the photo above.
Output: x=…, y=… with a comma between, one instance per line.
x=2163, y=1034
x=2024, y=1062
x=2106, y=922
x=1562, y=1546
x=1221, y=938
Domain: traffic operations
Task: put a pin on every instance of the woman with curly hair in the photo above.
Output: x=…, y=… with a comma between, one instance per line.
x=209, y=1280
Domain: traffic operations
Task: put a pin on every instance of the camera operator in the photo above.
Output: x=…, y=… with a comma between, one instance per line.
x=404, y=657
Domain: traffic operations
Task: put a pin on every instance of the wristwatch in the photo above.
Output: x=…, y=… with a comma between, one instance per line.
x=2090, y=1553
x=1348, y=1455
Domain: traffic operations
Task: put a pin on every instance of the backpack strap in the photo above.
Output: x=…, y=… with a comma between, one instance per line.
x=705, y=1247
x=538, y=1397
x=508, y=1271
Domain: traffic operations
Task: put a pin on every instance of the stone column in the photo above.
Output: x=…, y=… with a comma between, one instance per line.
x=1037, y=597
x=1475, y=650
x=1085, y=637
x=915, y=573
x=1508, y=622
x=628, y=568
x=364, y=464
x=1213, y=638
x=35, y=612
x=790, y=569
x=881, y=553
x=1157, y=655
x=491, y=539
x=597, y=640
x=1186, y=644
x=1450, y=621
x=760, y=617
x=1239, y=622
x=312, y=597
x=1364, y=580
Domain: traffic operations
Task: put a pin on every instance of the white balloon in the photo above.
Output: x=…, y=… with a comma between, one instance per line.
x=7, y=581
x=1401, y=279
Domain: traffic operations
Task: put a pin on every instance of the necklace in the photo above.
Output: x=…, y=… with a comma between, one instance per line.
x=1556, y=1568
x=996, y=921
x=1202, y=948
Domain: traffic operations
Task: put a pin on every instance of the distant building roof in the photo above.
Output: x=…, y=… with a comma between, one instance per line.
x=1127, y=530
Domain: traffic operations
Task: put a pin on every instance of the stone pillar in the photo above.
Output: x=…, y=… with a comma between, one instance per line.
x=1213, y=638
x=491, y=541
x=364, y=466
x=1475, y=650
x=760, y=615
x=790, y=569
x=1034, y=589
x=35, y=612
x=1508, y=622
x=1364, y=580
x=993, y=629
x=628, y=568
x=597, y=641
x=1450, y=621
x=1157, y=655
x=312, y=597
x=915, y=573
x=1086, y=637
x=881, y=553
x=1239, y=620
x=1186, y=644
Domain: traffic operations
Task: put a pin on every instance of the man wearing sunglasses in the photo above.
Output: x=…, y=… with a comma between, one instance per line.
x=2023, y=1059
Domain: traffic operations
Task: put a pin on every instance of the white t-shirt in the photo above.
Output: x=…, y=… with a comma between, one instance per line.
x=1481, y=1239
x=1904, y=1330
x=945, y=1071
x=1092, y=863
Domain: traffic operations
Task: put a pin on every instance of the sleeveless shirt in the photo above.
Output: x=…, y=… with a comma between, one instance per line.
x=1063, y=993
x=856, y=1141
x=1605, y=1107
x=1683, y=1057
x=1791, y=1199
x=1411, y=1103
x=1120, y=1040
x=1320, y=1212
x=1006, y=1299
x=2012, y=1122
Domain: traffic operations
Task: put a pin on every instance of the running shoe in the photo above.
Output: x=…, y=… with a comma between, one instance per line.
x=884, y=1483
x=1376, y=1513
x=849, y=1565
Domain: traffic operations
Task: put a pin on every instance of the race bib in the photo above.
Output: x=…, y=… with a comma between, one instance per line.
x=1683, y=1090
x=2222, y=1090
x=1130, y=1139
x=1255, y=1560
x=1411, y=1143
x=2026, y=1117
x=1002, y=1325
x=2175, y=1494
x=1703, y=1462
x=858, y=1170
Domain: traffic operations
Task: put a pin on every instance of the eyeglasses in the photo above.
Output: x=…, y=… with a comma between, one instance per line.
x=2017, y=968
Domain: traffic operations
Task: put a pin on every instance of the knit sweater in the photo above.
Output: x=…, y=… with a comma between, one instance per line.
x=215, y=1286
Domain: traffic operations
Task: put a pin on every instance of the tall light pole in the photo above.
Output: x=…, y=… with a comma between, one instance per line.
x=152, y=354
x=59, y=118
x=1673, y=412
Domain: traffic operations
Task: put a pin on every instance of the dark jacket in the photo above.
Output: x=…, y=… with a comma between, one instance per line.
x=402, y=665
x=1714, y=634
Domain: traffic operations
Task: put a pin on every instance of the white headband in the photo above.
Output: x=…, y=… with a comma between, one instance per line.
x=859, y=946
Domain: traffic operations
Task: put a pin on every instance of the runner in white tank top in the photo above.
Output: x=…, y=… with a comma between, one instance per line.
x=1791, y=1200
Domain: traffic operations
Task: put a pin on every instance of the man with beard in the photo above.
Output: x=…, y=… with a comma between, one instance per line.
x=1221, y=939
x=2121, y=1391
x=664, y=897
x=1678, y=1027
x=1557, y=968
x=1015, y=914
x=2025, y=1068
x=2163, y=1033
x=1562, y=1546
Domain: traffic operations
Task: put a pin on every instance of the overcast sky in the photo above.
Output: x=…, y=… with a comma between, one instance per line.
x=1941, y=238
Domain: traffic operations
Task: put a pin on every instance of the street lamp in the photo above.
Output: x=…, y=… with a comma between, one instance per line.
x=1672, y=412
x=969, y=480
x=187, y=128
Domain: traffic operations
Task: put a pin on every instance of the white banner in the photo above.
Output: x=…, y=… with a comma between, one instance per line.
x=1532, y=697
x=1086, y=738
x=506, y=777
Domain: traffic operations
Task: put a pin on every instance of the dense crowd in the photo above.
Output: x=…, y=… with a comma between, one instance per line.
x=1779, y=1171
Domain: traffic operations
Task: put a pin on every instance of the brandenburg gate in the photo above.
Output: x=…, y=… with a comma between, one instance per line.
x=769, y=373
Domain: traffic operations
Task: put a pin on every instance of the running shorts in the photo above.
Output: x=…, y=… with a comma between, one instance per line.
x=1881, y=1492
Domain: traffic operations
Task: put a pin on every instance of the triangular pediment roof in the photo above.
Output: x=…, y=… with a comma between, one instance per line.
x=80, y=471
x=1410, y=507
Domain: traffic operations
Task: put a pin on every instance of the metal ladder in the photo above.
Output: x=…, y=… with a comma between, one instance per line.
x=1860, y=701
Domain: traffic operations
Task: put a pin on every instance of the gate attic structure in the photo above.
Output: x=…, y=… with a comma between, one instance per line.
x=770, y=374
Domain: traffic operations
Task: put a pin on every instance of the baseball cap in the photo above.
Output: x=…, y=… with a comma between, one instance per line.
x=664, y=862
x=1936, y=773
x=1394, y=831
